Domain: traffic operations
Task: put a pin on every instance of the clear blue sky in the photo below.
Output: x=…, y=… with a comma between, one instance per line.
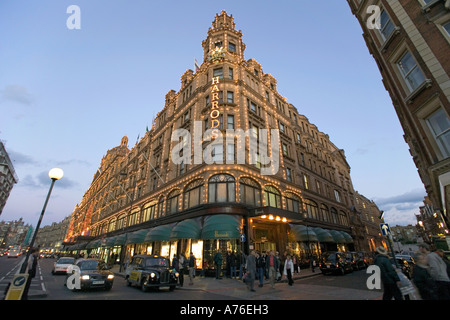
x=67, y=96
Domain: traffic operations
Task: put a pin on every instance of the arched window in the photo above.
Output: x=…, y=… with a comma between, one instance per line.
x=343, y=218
x=250, y=192
x=334, y=216
x=160, y=211
x=121, y=222
x=272, y=197
x=149, y=211
x=172, y=201
x=112, y=225
x=293, y=202
x=311, y=209
x=193, y=194
x=221, y=188
x=134, y=217
x=325, y=213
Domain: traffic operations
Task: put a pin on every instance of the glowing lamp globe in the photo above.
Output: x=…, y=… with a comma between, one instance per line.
x=55, y=174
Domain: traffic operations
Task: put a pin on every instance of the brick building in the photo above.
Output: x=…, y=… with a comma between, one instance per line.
x=143, y=201
x=410, y=42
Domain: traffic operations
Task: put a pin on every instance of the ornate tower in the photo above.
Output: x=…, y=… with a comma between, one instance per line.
x=223, y=35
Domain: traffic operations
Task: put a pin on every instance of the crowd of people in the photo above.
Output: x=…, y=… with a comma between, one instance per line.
x=431, y=276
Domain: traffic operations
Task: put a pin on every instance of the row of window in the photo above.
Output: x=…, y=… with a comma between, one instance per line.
x=222, y=189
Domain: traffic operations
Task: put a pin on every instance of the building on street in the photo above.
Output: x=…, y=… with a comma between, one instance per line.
x=228, y=165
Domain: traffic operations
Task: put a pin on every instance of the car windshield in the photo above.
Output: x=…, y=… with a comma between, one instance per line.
x=156, y=262
x=329, y=257
x=89, y=265
x=65, y=261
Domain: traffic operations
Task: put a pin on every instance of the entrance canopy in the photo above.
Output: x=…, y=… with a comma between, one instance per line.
x=324, y=235
x=186, y=229
x=303, y=233
x=160, y=233
x=221, y=226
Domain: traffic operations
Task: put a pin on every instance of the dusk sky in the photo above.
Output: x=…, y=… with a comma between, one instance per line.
x=67, y=96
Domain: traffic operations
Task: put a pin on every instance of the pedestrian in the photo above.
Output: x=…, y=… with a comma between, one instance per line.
x=191, y=269
x=218, y=264
x=313, y=264
x=272, y=267
x=389, y=277
x=260, y=268
x=182, y=262
x=294, y=261
x=233, y=262
x=279, y=270
x=422, y=278
x=228, y=264
x=32, y=266
x=242, y=262
x=288, y=269
x=438, y=271
x=407, y=289
x=251, y=271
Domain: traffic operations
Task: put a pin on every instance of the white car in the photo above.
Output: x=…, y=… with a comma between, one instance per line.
x=62, y=264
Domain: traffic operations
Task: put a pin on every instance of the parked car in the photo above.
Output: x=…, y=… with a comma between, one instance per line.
x=151, y=271
x=403, y=264
x=356, y=260
x=93, y=274
x=334, y=262
x=407, y=257
x=61, y=265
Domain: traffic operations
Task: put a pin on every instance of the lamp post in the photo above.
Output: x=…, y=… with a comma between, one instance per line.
x=54, y=174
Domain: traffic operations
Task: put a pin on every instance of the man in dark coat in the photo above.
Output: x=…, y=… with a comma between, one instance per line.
x=389, y=276
x=218, y=260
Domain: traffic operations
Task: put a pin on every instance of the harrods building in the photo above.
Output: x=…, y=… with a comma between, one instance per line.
x=142, y=201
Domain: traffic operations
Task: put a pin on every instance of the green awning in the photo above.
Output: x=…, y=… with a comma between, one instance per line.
x=161, y=233
x=323, y=235
x=221, y=226
x=136, y=237
x=337, y=236
x=303, y=233
x=186, y=229
x=110, y=242
x=94, y=244
x=120, y=240
x=348, y=238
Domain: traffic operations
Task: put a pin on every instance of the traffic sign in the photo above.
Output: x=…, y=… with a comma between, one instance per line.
x=385, y=230
x=17, y=287
x=242, y=237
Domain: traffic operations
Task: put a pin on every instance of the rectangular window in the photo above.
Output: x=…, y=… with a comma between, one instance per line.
x=230, y=153
x=446, y=27
x=439, y=125
x=231, y=47
x=285, y=149
x=410, y=71
x=218, y=73
x=337, y=196
x=288, y=174
x=282, y=129
x=230, y=122
x=230, y=73
x=230, y=97
x=386, y=25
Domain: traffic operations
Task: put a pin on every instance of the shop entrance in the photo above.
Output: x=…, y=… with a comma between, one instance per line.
x=268, y=236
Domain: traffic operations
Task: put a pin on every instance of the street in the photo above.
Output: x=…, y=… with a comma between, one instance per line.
x=351, y=286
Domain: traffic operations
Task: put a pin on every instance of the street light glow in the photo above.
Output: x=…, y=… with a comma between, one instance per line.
x=55, y=173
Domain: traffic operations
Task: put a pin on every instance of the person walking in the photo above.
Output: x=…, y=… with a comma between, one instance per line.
x=260, y=268
x=233, y=262
x=242, y=262
x=389, y=277
x=422, y=278
x=218, y=260
x=251, y=271
x=191, y=269
x=32, y=266
x=272, y=266
x=438, y=271
x=182, y=261
x=288, y=269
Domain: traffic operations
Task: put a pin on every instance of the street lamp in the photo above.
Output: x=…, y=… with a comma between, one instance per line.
x=54, y=174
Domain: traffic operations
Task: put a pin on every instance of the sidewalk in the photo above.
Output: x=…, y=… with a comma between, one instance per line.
x=211, y=284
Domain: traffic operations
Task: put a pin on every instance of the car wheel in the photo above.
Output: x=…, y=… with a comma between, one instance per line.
x=144, y=283
x=172, y=288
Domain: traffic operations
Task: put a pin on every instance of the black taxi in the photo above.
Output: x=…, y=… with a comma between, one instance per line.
x=151, y=271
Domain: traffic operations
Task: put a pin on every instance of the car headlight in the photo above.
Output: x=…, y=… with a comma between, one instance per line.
x=110, y=276
x=152, y=275
x=85, y=277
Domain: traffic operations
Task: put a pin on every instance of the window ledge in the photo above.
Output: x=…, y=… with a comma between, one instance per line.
x=388, y=41
x=426, y=8
x=426, y=84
